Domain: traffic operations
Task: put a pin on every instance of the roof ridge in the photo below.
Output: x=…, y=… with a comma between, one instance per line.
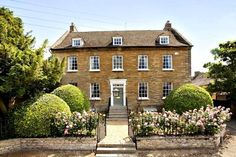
x=175, y=32
x=118, y=31
x=60, y=40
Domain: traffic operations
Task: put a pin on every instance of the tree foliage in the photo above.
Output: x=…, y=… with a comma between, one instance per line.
x=223, y=70
x=23, y=71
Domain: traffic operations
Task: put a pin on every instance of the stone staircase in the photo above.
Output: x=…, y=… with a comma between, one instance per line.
x=117, y=113
x=117, y=142
x=125, y=149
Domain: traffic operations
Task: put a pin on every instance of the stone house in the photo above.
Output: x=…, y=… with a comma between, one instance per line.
x=136, y=68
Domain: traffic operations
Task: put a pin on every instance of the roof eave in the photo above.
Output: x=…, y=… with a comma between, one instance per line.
x=161, y=46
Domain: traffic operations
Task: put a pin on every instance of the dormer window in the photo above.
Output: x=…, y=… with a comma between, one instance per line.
x=117, y=40
x=76, y=42
x=164, y=40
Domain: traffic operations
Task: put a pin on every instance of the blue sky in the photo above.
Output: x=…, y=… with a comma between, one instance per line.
x=205, y=23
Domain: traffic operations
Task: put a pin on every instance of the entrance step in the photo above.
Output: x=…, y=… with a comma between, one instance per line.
x=116, y=155
x=117, y=119
x=118, y=107
x=123, y=145
x=117, y=116
x=110, y=150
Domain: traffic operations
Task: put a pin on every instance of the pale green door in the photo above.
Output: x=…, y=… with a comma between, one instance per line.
x=118, y=101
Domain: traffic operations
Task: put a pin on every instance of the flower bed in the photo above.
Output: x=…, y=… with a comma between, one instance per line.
x=77, y=124
x=207, y=121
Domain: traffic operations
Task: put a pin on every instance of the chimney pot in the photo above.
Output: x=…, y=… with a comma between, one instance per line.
x=72, y=27
x=167, y=26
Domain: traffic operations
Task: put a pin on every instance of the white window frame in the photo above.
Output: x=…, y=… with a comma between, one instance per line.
x=92, y=58
x=164, y=40
x=117, y=43
x=77, y=39
x=171, y=63
x=142, y=69
x=113, y=66
x=163, y=92
x=91, y=94
x=143, y=98
x=70, y=65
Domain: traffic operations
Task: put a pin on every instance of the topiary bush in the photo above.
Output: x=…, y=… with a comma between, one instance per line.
x=86, y=102
x=187, y=97
x=35, y=120
x=72, y=96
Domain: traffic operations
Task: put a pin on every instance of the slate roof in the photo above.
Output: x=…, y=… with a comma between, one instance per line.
x=132, y=38
x=201, y=79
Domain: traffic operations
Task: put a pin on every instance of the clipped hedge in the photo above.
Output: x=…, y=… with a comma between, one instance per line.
x=187, y=97
x=86, y=102
x=35, y=120
x=72, y=96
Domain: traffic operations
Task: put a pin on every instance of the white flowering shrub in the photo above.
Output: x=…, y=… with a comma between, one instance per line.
x=207, y=121
x=77, y=124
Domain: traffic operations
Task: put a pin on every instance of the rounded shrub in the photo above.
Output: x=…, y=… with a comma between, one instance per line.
x=36, y=120
x=86, y=102
x=187, y=97
x=72, y=96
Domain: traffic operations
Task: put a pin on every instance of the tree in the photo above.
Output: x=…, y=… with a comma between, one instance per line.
x=23, y=71
x=223, y=70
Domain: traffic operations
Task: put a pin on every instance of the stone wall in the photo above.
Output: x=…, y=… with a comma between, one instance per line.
x=179, y=142
x=11, y=145
x=155, y=143
x=69, y=143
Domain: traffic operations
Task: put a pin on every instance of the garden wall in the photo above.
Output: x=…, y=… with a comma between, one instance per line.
x=69, y=143
x=179, y=142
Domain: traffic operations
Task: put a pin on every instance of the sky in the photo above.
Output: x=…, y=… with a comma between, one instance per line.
x=205, y=23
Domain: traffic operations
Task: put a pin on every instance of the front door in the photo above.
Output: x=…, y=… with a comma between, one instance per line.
x=118, y=100
x=118, y=86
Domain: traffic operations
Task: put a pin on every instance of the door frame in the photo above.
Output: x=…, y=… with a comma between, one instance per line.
x=118, y=81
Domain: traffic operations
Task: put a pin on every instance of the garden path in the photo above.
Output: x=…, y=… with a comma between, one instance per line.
x=117, y=132
x=229, y=147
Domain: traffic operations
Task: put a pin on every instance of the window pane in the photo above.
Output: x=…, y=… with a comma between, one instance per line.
x=143, y=90
x=167, y=62
x=164, y=40
x=72, y=63
x=76, y=42
x=143, y=62
x=95, y=90
x=167, y=87
x=94, y=63
x=117, y=62
x=117, y=40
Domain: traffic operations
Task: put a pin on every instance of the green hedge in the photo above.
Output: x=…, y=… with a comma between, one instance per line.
x=86, y=102
x=72, y=96
x=35, y=120
x=187, y=97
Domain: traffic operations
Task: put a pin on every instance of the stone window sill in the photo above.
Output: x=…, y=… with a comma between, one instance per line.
x=72, y=71
x=168, y=69
x=143, y=69
x=143, y=98
x=94, y=98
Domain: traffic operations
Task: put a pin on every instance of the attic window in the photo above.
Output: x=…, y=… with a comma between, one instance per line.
x=76, y=42
x=164, y=40
x=117, y=40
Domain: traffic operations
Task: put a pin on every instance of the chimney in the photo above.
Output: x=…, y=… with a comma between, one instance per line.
x=72, y=28
x=167, y=26
x=196, y=73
